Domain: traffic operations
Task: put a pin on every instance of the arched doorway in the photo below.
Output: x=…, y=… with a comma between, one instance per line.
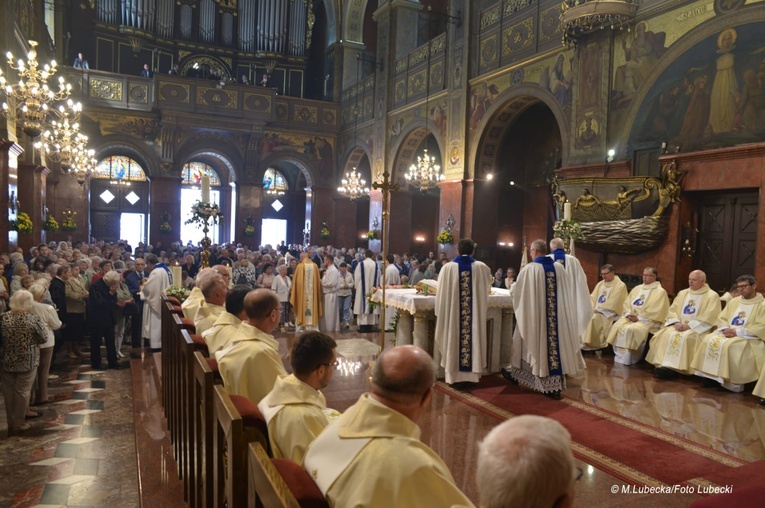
x=414, y=213
x=519, y=150
x=119, y=200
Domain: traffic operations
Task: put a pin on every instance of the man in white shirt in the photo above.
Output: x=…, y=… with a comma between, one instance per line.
x=330, y=320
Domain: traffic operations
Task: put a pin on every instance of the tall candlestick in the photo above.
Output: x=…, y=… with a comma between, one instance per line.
x=205, y=189
x=567, y=211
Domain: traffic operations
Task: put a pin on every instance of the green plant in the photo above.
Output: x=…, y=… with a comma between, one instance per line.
x=249, y=231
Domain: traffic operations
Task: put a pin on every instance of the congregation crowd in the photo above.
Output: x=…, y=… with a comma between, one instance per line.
x=58, y=294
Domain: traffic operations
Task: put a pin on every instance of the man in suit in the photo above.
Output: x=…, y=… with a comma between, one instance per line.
x=101, y=306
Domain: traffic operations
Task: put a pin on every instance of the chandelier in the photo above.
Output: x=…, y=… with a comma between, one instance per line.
x=274, y=192
x=61, y=140
x=426, y=173
x=353, y=186
x=83, y=160
x=31, y=96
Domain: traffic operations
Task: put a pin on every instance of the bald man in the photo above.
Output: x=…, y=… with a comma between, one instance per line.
x=351, y=459
x=251, y=363
x=692, y=315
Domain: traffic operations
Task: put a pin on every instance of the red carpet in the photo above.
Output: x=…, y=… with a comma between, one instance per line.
x=630, y=450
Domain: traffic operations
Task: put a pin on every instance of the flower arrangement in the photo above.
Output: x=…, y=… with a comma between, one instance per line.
x=165, y=228
x=445, y=237
x=568, y=230
x=249, y=230
x=23, y=223
x=68, y=224
x=372, y=234
x=324, y=231
x=51, y=224
x=202, y=213
x=180, y=292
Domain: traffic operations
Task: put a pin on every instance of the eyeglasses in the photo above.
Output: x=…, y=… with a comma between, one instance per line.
x=742, y=286
x=603, y=274
x=649, y=275
x=333, y=364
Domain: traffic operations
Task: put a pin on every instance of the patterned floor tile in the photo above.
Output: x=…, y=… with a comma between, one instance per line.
x=71, y=480
x=80, y=440
x=50, y=462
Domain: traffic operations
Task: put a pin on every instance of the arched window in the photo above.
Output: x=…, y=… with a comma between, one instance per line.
x=120, y=168
x=193, y=171
x=191, y=193
x=274, y=182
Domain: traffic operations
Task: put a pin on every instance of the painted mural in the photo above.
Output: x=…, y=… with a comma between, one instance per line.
x=711, y=96
x=319, y=148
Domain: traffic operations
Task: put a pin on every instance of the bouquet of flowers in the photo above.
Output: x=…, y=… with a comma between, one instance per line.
x=23, y=223
x=568, y=230
x=165, y=228
x=202, y=213
x=180, y=292
x=324, y=231
x=445, y=237
x=372, y=234
x=249, y=230
x=51, y=224
x=69, y=224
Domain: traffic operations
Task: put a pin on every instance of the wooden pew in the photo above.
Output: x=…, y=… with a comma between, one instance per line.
x=202, y=438
x=231, y=437
x=280, y=483
x=186, y=416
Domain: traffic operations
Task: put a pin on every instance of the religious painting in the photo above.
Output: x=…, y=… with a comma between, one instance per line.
x=641, y=53
x=588, y=132
x=711, y=96
x=481, y=97
x=590, y=61
x=558, y=79
x=437, y=117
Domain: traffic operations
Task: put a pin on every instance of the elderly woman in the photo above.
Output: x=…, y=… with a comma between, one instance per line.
x=281, y=285
x=52, y=322
x=19, y=270
x=21, y=334
x=102, y=303
x=266, y=279
x=76, y=295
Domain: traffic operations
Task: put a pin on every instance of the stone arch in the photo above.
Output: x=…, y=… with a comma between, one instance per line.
x=354, y=25
x=744, y=15
x=219, y=149
x=215, y=159
x=353, y=158
x=404, y=152
x=204, y=59
x=506, y=108
x=142, y=154
x=278, y=159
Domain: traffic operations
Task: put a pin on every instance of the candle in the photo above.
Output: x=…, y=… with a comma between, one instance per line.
x=566, y=211
x=176, y=271
x=205, y=189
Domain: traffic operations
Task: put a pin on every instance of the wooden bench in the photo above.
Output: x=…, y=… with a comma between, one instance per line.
x=202, y=436
x=235, y=427
x=280, y=483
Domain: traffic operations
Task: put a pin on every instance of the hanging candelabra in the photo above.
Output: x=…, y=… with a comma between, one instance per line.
x=61, y=141
x=425, y=174
x=83, y=161
x=353, y=186
x=29, y=99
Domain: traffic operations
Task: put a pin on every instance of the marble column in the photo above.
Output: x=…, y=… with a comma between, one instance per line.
x=323, y=211
x=345, y=223
x=452, y=204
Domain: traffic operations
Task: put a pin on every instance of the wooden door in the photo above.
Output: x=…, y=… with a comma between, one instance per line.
x=727, y=237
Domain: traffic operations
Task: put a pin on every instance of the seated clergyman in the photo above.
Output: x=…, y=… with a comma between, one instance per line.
x=692, y=315
x=607, y=301
x=295, y=410
x=644, y=312
x=734, y=354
